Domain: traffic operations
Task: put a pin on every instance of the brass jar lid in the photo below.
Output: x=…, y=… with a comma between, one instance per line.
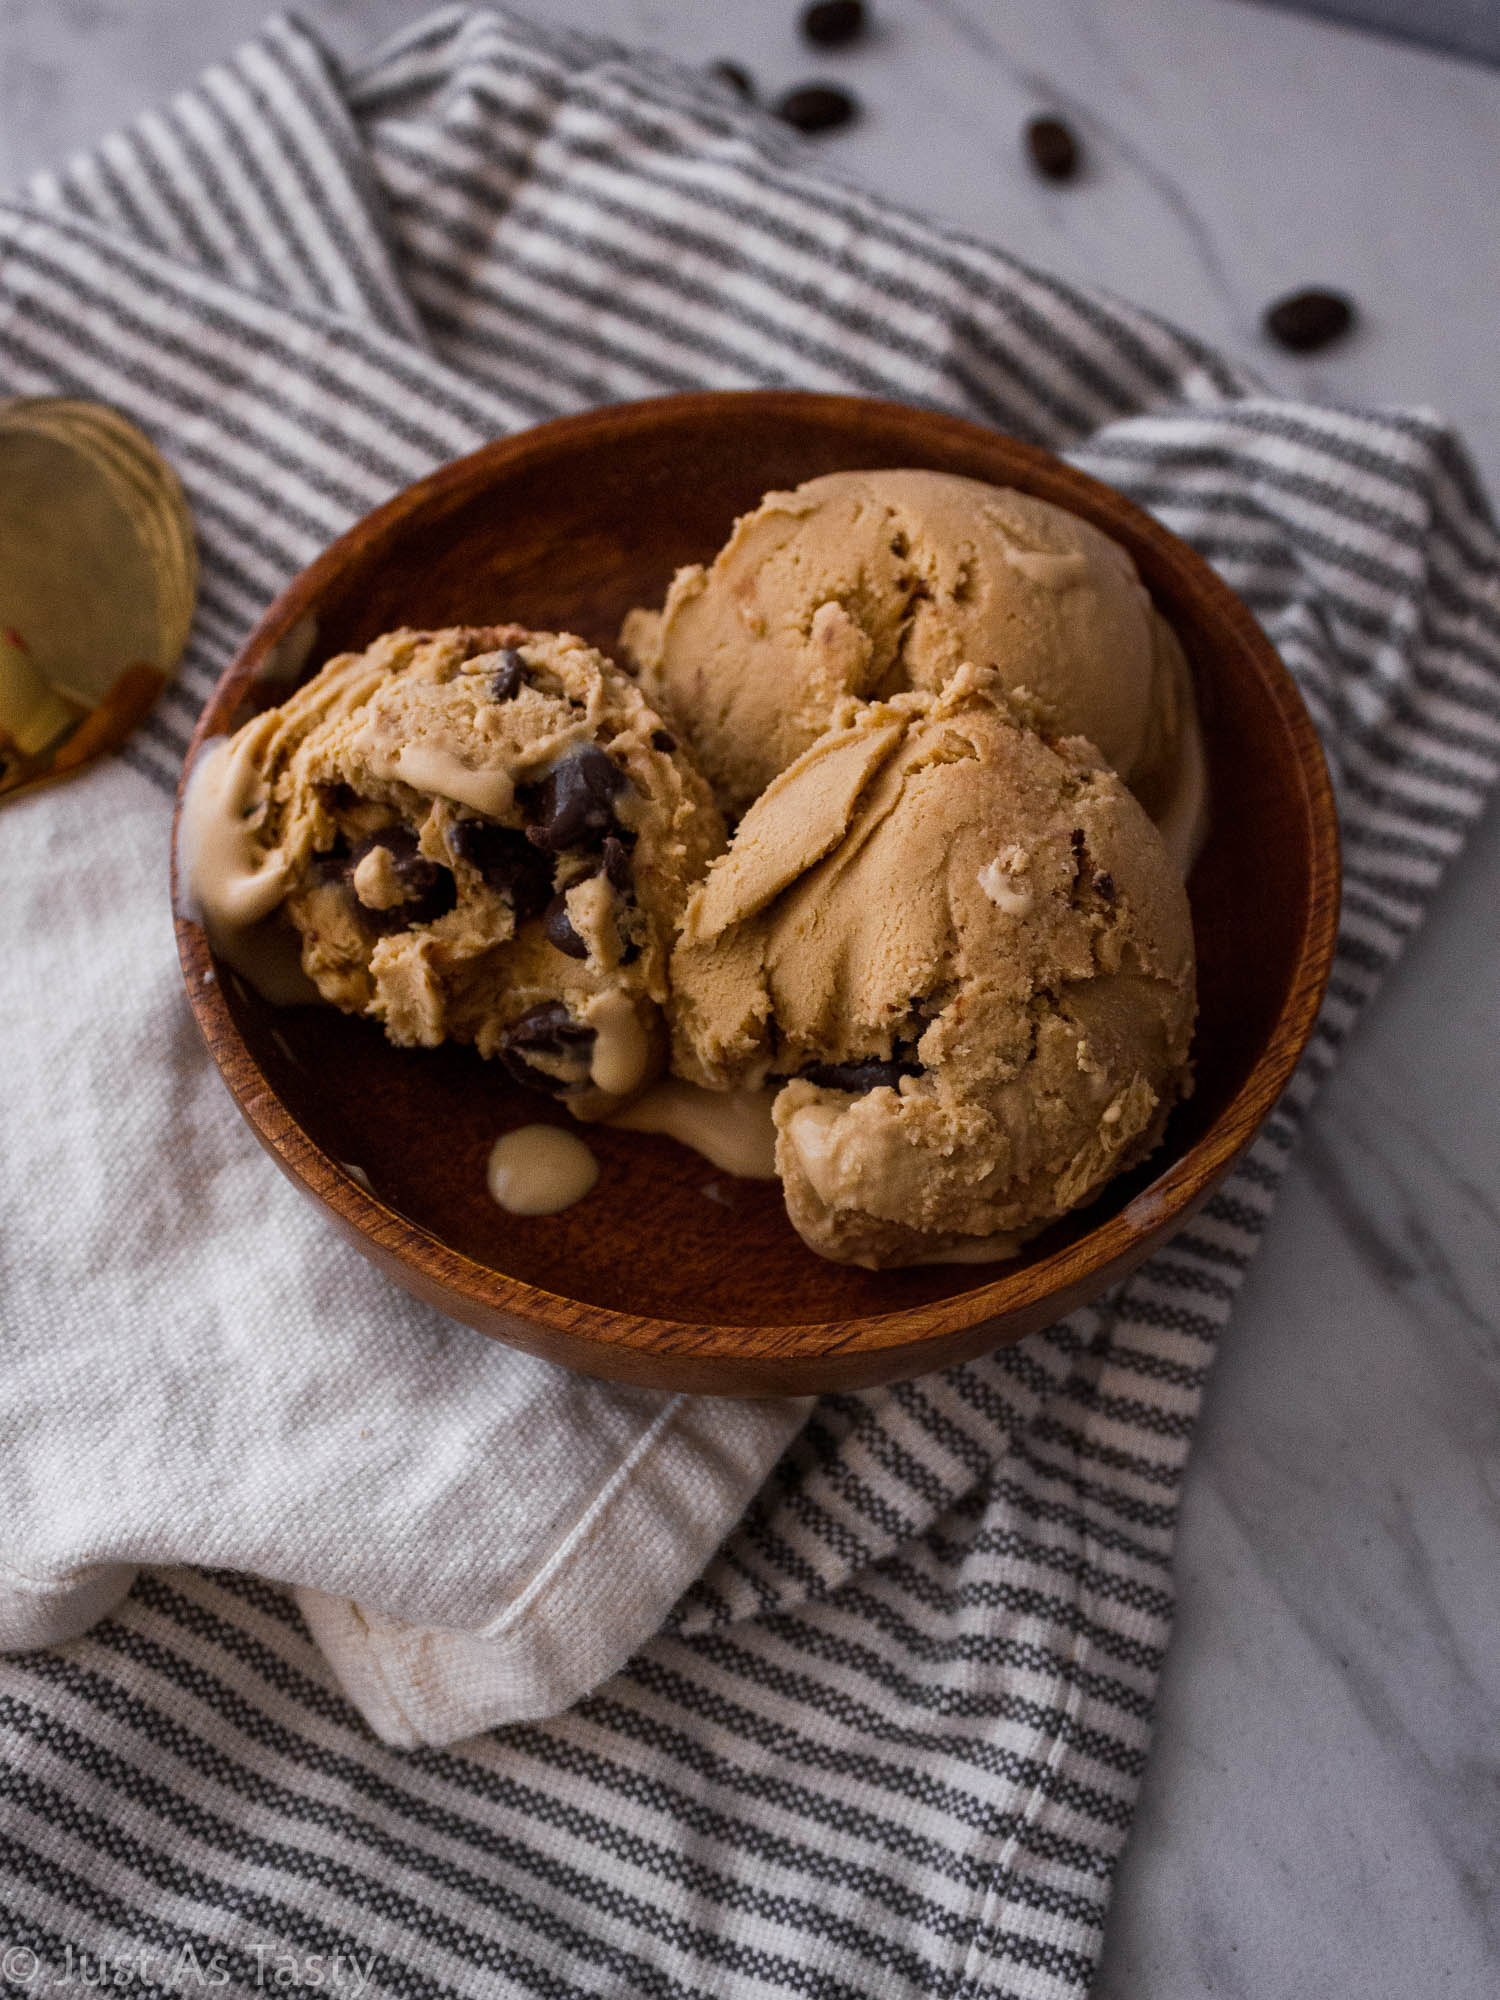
x=98, y=575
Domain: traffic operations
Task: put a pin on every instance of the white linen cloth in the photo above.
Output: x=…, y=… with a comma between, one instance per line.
x=889, y=1739
x=198, y=1369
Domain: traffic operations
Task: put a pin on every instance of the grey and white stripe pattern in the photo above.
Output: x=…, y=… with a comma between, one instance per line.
x=891, y=1741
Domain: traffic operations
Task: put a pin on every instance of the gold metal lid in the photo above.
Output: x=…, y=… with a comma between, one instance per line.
x=98, y=575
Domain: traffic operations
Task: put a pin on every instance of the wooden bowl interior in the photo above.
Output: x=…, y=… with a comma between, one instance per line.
x=569, y=529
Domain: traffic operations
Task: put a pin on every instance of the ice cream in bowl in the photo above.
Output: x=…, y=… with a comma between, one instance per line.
x=754, y=893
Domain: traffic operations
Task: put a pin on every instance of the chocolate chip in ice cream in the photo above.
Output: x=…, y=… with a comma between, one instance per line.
x=414, y=890
x=575, y=802
x=546, y=1035
x=1304, y=322
x=559, y=928
x=505, y=860
x=816, y=107
x=615, y=861
x=1054, y=151
x=509, y=677
x=857, y=1077
x=663, y=740
x=832, y=24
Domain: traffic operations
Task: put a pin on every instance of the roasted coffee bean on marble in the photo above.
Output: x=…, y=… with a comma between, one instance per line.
x=833, y=24
x=506, y=862
x=817, y=107
x=509, y=676
x=428, y=889
x=1304, y=322
x=574, y=804
x=734, y=76
x=1055, y=152
x=858, y=1077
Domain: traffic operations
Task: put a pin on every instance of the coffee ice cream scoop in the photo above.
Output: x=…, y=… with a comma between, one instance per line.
x=869, y=583
x=477, y=837
x=962, y=950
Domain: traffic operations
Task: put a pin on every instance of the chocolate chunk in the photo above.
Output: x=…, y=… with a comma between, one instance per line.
x=507, y=679
x=816, y=107
x=736, y=78
x=860, y=1076
x=332, y=865
x=1054, y=151
x=615, y=862
x=428, y=889
x=505, y=861
x=548, y=1030
x=1307, y=321
x=831, y=24
x=575, y=802
x=559, y=928
x=663, y=739
x=1104, y=886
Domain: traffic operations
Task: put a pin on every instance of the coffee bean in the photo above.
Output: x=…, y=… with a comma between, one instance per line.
x=575, y=802
x=551, y=1031
x=860, y=1076
x=816, y=107
x=663, y=739
x=736, y=78
x=1054, y=151
x=428, y=889
x=831, y=24
x=505, y=860
x=509, y=677
x=559, y=928
x=1307, y=321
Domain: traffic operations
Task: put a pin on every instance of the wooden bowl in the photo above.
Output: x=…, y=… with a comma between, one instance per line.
x=670, y=1273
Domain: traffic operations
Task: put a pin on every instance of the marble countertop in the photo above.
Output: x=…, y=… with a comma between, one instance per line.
x=1321, y=1814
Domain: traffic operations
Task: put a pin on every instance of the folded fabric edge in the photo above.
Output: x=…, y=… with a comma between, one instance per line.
x=46, y=1611
x=578, y=1621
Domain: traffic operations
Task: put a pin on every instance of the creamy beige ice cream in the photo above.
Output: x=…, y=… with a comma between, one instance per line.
x=868, y=583
x=965, y=945
x=483, y=835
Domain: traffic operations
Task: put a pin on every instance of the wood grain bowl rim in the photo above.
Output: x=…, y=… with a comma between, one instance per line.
x=610, y=1341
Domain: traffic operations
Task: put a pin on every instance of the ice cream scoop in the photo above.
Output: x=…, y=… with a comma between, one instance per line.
x=478, y=837
x=869, y=583
x=963, y=946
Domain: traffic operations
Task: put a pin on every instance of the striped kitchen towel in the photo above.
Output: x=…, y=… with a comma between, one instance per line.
x=889, y=1742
